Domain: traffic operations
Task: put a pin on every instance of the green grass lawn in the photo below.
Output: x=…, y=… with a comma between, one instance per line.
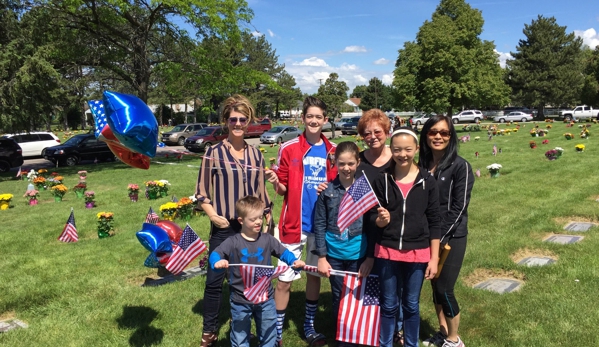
x=89, y=293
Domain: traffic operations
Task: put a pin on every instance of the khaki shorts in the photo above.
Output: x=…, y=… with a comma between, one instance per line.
x=307, y=240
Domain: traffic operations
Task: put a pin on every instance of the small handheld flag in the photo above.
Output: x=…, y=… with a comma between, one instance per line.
x=185, y=251
x=358, y=199
x=69, y=233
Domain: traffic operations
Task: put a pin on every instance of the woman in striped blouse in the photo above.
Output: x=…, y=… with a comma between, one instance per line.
x=230, y=171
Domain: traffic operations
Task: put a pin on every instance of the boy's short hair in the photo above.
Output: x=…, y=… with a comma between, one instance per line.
x=247, y=204
x=311, y=101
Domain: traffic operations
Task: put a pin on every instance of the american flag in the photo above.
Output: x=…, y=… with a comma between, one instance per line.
x=358, y=319
x=494, y=149
x=97, y=108
x=69, y=233
x=152, y=217
x=256, y=281
x=185, y=251
x=358, y=199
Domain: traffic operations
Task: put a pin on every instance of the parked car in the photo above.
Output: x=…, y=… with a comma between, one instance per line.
x=258, y=127
x=467, y=116
x=351, y=127
x=78, y=148
x=280, y=134
x=205, y=138
x=515, y=116
x=34, y=143
x=420, y=120
x=179, y=133
x=579, y=113
x=11, y=154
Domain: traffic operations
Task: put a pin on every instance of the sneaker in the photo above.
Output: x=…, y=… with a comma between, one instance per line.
x=447, y=343
x=279, y=343
x=436, y=340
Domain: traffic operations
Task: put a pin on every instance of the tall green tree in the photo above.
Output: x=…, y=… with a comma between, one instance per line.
x=547, y=66
x=358, y=91
x=449, y=66
x=334, y=93
x=376, y=95
x=590, y=89
x=131, y=37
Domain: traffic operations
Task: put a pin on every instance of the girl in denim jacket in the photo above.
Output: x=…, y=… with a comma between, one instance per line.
x=339, y=249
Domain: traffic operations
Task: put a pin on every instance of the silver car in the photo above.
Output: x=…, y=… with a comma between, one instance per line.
x=515, y=116
x=280, y=134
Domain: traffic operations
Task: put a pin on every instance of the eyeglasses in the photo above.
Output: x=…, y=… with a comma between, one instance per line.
x=315, y=116
x=376, y=133
x=443, y=133
x=241, y=120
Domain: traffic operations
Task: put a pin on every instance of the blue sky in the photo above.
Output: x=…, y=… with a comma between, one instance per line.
x=360, y=39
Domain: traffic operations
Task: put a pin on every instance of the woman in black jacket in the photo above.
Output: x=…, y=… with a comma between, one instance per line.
x=439, y=155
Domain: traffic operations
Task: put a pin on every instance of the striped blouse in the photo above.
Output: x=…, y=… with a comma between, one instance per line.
x=223, y=179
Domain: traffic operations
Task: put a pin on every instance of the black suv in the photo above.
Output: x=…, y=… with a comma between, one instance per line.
x=11, y=154
x=351, y=127
x=78, y=148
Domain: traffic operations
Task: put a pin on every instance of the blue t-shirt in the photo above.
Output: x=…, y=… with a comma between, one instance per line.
x=345, y=247
x=315, y=173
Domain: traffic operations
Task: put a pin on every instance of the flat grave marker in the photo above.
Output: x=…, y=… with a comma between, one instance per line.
x=187, y=274
x=564, y=239
x=579, y=226
x=500, y=285
x=11, y=324
x=536, y=261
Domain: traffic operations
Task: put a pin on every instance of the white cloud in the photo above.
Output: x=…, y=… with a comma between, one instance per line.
x=354, y=49
x=382, y=61
x=387, y=79
x=590, y=37
x=361, y=79
x=503, y=57
x=348, y=67
x=271, y=33
x=257, y=34
x=313, y=61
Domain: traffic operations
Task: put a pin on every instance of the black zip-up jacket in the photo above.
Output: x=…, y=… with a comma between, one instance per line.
x=414, y=221
x=455, y=185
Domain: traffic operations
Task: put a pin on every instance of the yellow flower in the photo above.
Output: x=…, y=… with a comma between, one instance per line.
x=168, y=206
x=106, y=215
x=6, y=197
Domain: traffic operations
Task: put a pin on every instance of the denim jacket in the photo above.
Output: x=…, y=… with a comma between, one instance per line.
x=325, y=216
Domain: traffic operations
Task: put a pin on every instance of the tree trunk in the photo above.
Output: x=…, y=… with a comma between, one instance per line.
x=83, y=116
x=185, y=112
x=540, y=114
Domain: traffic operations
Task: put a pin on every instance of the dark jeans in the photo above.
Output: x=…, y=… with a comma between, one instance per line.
x=337, y=281
x=443, y=286
x=214, y=281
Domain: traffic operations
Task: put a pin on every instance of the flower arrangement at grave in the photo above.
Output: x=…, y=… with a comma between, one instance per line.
x=560, y=151
x=133, y=191
x=105, y=224
x=80, y=188
x=32, y=196
x=551, y=154
x=568, y=136
x=31, y=175
x=476, y=138
x=533, y=133
x=516, y=130
x=82, y=175
x=204, y=262
x=549, y=126
x=579, y=148
x=532, y=144
x=152, y=190
x=90, y=199
x=185, y=208
x=42, y=172
x=545, y=142
x=163, y=185
x=542, y=132
x=494, y=169
x=584, y=133
x=59, y=191
x=262, y=150
x=55, y=180
x=40, y=182
x=5, y=200
x=475, y=127
x=169, y=210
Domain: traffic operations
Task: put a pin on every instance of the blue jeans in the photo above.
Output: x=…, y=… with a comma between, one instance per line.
x=265, y=316
x=405, y=278
x=337, y=281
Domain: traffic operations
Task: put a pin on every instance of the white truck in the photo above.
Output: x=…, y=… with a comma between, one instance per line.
x=579, y=113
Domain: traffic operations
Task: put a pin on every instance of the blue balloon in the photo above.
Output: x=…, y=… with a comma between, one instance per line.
x=161, y=144
x=132, y=122
x=154, y=238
